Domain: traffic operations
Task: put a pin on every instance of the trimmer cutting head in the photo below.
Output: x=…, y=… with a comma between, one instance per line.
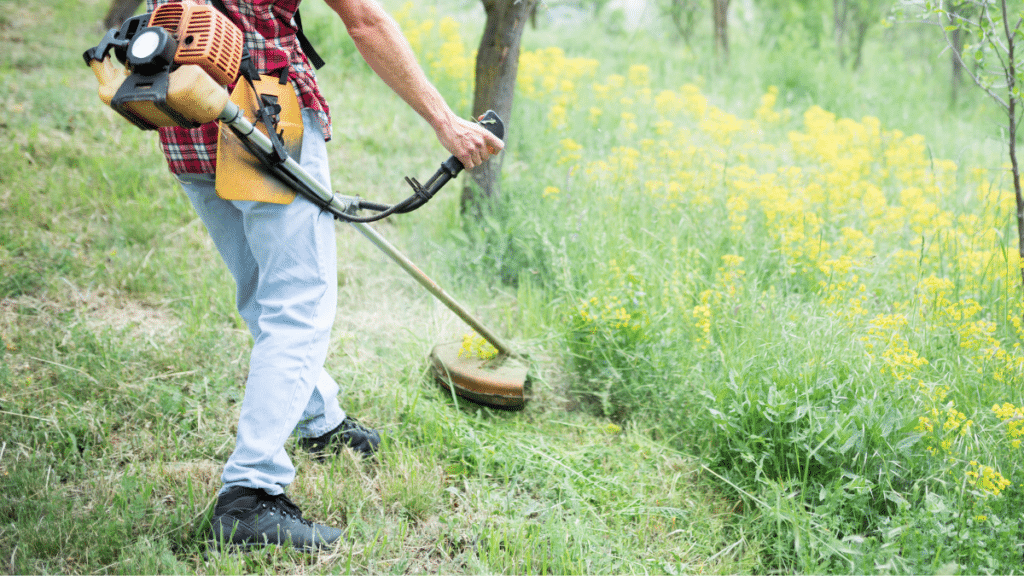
x=498, y=382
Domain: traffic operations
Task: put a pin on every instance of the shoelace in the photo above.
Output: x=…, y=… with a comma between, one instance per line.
x=285, y=505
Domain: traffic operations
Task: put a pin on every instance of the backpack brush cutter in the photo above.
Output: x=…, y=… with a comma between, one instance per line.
x=176, y=63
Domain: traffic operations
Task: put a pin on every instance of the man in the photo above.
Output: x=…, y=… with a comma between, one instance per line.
x=283, y=260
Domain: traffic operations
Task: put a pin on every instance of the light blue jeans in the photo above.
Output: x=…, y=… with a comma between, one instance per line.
x=284, y=262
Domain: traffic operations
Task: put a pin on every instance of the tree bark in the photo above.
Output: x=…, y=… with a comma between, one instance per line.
x=840, y=17
x=720, y=11
x=497, y=63
x=956, y=43
x=858, y=43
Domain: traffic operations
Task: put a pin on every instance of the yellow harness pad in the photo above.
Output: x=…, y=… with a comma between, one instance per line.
x=240, y=175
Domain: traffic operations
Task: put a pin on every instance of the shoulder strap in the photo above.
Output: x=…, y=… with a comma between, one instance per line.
x=307, y=48
x=304, y=43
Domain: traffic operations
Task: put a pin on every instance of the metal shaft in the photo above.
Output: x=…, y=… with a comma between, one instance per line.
x=338, y=205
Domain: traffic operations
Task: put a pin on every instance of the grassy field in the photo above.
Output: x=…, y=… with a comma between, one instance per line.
x=776, y=307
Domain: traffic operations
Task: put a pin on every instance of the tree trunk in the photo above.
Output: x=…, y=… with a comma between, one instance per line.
x=1010, y=72
x=840, y=17
x=720, y=10
x=956, y=42
x=858, y=43
x=120, y=10
x=1016, y=185
x=684, y=15
x=497, y=63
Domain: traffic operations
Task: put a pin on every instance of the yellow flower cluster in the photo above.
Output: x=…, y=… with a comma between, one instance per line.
x=727, y=290
x=767, y=113
x=1013, y=417
x=619, y=307
x=843, y=293
x=730, y=276
x=548, y=74
x=947, y=433
x=702, y=318
x=899, y=360
x=835, y=173
x=570, y=152
x=986, y=478
x=474, y=346
x=441, y=47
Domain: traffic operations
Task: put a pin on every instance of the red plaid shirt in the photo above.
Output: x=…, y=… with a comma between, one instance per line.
x=270, y=37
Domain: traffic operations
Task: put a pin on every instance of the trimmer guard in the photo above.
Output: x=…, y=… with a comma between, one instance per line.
x=499, y=382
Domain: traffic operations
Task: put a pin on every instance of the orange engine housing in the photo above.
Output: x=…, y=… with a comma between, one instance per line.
x=206, y=38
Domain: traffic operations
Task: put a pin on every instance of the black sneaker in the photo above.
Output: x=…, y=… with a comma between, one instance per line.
x=250, y=518
x=349, y=433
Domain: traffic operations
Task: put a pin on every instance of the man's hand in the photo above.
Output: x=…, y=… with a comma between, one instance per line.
x=468, y=141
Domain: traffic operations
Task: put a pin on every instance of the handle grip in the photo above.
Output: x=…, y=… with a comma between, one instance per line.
x=493, y=124
x=449, y=169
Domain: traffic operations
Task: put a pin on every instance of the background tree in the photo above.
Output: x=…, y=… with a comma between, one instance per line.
x=852, y=19
x=720, y=17
x=997, y=33
x=957, y=10
x=789, y=20
x=807, y=21
x=684, y=15
x=956, y=43
x=497, y=63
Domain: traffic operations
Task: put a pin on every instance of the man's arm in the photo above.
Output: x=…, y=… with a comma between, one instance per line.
x=385, y=49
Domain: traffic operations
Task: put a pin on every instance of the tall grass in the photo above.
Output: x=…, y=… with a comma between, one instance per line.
x=823, y=307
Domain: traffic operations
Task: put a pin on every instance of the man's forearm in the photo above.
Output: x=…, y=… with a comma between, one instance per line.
x=385, y=49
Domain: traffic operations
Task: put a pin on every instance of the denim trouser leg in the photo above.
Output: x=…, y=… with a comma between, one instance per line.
x=284, y=261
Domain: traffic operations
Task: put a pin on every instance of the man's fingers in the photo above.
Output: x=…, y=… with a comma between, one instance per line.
x=473, y=144
x=494, y=144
